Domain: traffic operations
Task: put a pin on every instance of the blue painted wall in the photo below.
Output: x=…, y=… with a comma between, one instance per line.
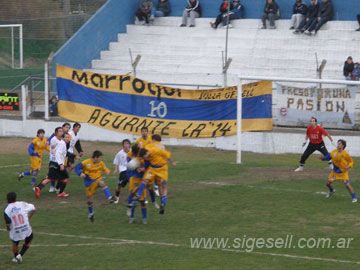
x=95, y=35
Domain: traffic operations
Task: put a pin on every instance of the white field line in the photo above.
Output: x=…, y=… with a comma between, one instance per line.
x=14, y=165
x=127, y=241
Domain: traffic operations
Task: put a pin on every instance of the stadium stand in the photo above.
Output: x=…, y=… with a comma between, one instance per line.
x=171, y=54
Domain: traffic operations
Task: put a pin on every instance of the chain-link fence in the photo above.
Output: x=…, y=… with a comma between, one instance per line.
x=47, y=24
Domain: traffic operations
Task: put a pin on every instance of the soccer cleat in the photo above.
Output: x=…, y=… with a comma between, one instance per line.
x=131, y=220
x=146, y=201
x=51, y=189
x=330, y=193
x=57, y=190
x=331, y=166
x=14, y=260
x=128, y=211
x=21, y=175
x=37, y=192
x=354, y=200
x=92, y=217
x=155, y=204
x=112, y=199
x=162, y=209
x=144, y=221
x=300, y=169
x=19, y=258
x=117, y=200
x=307, y=32
x=63, y=195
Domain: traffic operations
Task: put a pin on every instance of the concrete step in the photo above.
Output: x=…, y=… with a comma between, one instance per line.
x=253, y=23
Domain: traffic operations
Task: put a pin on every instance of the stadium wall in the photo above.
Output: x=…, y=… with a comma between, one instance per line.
x=257, y=142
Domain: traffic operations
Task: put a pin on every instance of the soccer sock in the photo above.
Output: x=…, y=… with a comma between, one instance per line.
x=144, y=213
x=152, y=195
x=33, y=179
x=132, y=213
x=24, y=249
x=353, y=195
x=164, y=199
x=62, y=187
x=41, y=185
x=130, y=199
x=117, y=193
x=141, y=189
x=15, y=251
x=90, y=208
x=53, y=183
x=107, y=192
x=27, y=173
x=331, y=189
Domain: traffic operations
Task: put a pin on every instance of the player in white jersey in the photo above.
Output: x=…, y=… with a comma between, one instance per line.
x=65, y=130
x=120, y=162
x=17, y=215
x=74, y=143
x=57, y=169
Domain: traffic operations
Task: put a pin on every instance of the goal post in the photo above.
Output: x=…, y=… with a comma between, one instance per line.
x=21, y=60
x=241, y=80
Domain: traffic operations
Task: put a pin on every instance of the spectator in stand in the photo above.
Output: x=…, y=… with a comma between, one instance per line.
x=311, y=14
x=53, y=106
x=163, y=8
x=326, y=13
x=224, y=7
x=356, y=72
x=299, y=12
x=192, y=10
x=358, y=18
x=146, y=12
x=348, y=68
x=236, y=12
x=271, y=13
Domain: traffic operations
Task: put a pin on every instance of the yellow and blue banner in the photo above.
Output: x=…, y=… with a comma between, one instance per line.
x=126, y=104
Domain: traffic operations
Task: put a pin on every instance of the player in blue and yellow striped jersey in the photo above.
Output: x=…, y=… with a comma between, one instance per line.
x=342, y=162
x=135, y=177
x=90, y=170
x=157, y=171
x=35, y=150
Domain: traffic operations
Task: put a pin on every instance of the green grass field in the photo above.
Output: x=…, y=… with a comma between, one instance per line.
x=209, y=197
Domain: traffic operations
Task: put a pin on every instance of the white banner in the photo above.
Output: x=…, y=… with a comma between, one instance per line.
x=331, y=106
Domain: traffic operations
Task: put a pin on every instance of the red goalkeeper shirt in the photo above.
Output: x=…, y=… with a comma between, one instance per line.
x=315, y=134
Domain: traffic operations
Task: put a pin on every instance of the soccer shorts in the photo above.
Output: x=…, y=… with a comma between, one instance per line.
x=342, y=177
x=123, y=180
x=35, y=163
x=91, y=189
x=134, y=186
x=157, y=175
x=54, y=170
x=70, y=159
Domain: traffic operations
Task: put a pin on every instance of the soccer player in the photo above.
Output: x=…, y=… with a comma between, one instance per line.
x=74, y=143
x=314, y=133
x=120, y=162
x=65, y=128
x=57, y=169
x=17, y=215
x=90, y=170
x=136, y=177
x=144, y=139
x=156, y=172
x=35, y=150
x=142, y=142
x=342, y=162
